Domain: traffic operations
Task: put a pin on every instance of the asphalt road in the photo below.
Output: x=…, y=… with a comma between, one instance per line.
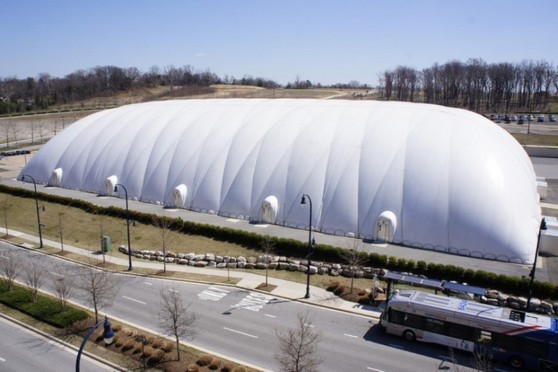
x=23, y=350
x=242, y=325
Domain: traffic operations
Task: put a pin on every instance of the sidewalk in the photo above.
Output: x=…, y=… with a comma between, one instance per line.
x=284, y=289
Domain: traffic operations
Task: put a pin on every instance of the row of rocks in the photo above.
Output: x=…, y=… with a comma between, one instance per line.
x=263, y=262
x=259, y=263
x=498, y=298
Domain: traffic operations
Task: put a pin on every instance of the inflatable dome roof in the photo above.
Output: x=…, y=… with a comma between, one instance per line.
x=414, y=174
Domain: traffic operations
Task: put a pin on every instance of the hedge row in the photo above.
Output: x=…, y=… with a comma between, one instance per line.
x=44, y=308
x=320, y=252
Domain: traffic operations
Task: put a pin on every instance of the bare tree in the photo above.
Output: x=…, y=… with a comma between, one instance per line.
x=5, y=207
x=10, y=264
x=98, y=288
x=62, y=284
x=174, y=317
x=165, y=235
x=268, y=245
x=34, y=277
x=298, y=347
x=61, y=229
x=355, y=259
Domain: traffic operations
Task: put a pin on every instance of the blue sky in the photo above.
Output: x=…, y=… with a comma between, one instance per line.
x=322, y=41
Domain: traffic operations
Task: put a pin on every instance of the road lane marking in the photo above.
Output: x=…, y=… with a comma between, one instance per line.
x=348, y=335
x=254, y=301
x=133, y=299
x=2, y=360
x=309, y=325
x=397, y=346
x=239, y=332
x=56, y=274
x=173, y=290
x=374, y=369
x=213, y=294
x=147, y=283
x=4, y=257
x=270, y=316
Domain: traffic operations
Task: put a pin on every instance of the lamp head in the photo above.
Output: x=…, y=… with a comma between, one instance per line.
x=543, y=224
x=115, y=188
x=108, y=334
x=303, y=200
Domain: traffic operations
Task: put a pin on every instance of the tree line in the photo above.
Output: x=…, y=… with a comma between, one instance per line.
x=44, y=91
x=475, y=85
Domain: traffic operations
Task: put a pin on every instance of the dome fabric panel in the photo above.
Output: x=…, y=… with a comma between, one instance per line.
x=453, y=180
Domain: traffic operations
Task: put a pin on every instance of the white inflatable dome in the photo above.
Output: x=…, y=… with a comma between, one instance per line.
x=419, y=175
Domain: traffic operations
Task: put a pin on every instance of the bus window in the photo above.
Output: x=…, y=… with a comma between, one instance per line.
x=460, y=331
x=414, y=321
x=434, y=325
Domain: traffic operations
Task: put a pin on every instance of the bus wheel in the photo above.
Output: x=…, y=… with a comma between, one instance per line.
x=409, y=335
x=516, y=362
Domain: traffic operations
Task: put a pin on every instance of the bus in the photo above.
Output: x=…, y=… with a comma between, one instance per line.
x=524, y=340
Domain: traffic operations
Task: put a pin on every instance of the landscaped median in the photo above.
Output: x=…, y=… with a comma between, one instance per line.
x=132, y=348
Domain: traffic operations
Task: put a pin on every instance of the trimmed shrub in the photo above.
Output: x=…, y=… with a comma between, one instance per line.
x=116, y=327
x=332, y=286
x=129, y=345
x=421, y=267
x=339, y=290
x=148, y=351
x=157, y=344
x=215, y=364
x=204, y=360
x=168, y=347
x=193, y=368
x=227, y=368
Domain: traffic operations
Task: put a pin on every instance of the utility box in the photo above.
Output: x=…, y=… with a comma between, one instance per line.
x=106, y=243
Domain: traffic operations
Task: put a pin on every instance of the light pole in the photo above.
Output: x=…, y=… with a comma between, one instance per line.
x=37, y=206
x=108, y=336
x=310, y=243
x=532, y=273
x=127, y=224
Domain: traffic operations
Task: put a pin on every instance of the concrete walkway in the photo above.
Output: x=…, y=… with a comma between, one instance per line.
x=247, y=280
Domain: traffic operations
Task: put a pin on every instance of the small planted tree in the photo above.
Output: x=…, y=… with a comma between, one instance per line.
x=268, y=246
x=354, y=259
x=98, y=288
x=62, y=283
x=175, y=319
x=298, y=347
x=34, y=277
x=10, y=265
x=165, y=236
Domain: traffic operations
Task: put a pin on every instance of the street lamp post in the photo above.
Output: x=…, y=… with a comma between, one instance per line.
x=127, y=224
x=532, y=273
x=37, y=207
x=108, y=336
x=310, y=243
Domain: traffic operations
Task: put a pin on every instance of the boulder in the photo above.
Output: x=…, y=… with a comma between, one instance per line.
x=199, y=257
x=190, y=256
x=182, y=261
x=292, y=267
x=240, y=264
x=261, y=265
x=219, y=259
x=232, y=265
x=241, y=259
x=284, y=266
x=249, y=265
x=209, y=257
x=221, y=265
x=252, y=260
x=171, y=254
x=200, y=263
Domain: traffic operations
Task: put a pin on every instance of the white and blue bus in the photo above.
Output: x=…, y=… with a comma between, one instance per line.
x=525, y=340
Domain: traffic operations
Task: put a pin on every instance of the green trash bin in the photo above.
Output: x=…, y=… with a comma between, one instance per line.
x=106, y=243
